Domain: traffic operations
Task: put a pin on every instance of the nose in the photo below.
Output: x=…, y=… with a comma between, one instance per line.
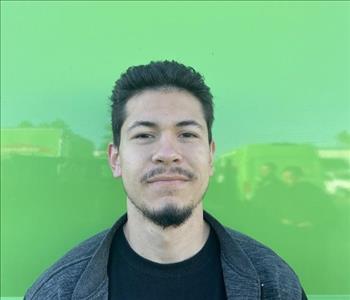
x=166, y=152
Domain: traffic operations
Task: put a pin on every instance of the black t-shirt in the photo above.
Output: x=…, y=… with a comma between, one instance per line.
x=132, y=277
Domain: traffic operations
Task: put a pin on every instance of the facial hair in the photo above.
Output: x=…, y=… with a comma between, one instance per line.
x=170, y=215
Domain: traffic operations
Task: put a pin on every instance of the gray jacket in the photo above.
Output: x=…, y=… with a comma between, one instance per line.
x=251, y=270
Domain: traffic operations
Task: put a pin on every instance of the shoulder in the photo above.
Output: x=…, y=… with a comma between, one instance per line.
x=59, y=280
x=276, y=276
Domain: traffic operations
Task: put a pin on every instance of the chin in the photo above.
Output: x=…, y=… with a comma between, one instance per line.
x=167, y=211
x=169, y=215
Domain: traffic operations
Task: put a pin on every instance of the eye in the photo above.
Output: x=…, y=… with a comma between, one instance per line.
x=143, y=136
x=188, y=135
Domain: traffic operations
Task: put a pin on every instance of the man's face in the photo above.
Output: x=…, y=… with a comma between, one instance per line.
x=289, y=178
x=265, y=170
x=164, y=157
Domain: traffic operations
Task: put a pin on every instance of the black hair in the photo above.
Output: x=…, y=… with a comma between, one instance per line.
x=158, y=75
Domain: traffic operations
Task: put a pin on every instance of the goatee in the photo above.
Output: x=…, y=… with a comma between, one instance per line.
x=170, y=216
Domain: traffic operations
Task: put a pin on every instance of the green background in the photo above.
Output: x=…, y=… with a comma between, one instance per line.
x=279, y=72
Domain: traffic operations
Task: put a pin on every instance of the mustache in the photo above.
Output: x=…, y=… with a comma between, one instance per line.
x=174, y=170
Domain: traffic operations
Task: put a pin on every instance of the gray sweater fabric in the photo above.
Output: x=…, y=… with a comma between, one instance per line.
x=251, y=270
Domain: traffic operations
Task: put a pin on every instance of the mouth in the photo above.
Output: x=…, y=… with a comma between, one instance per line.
x=168, y=180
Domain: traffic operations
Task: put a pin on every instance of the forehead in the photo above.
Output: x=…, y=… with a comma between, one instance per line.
x=164, y=106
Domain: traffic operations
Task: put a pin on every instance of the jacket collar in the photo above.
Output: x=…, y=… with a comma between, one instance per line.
x=240, y=276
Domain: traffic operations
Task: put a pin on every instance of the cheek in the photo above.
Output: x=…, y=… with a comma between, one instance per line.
x=200, y=155
x=132, y=165
x=201, y=163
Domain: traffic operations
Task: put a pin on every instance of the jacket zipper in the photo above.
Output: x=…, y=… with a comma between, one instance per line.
x=261, y=291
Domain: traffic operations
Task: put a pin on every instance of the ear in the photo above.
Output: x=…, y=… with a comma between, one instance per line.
x=114, y=160
x=211, y=158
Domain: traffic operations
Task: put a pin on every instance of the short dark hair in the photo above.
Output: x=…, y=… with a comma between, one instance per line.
x=153, y=76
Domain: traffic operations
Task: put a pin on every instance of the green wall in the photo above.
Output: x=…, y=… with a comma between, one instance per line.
x=279, y=72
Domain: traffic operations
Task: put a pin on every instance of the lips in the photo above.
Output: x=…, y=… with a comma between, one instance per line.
x=168, y=179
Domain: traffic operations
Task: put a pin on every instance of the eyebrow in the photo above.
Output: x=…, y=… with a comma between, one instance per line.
x=154, y=125
x=143, y=124
x=189, y=123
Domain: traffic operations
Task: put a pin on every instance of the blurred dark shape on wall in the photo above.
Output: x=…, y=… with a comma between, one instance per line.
x=343, y=138
x=293, y=197
x=55, y=140
x=52, y=180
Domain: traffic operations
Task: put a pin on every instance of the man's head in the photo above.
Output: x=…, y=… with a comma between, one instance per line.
x=161, y=130
x=291, y=175
x=160, y=75
x=267, y=170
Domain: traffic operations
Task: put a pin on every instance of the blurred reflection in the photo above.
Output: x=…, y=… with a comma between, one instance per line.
x=295, y=198
x=268, y=178
x=50, y=155
x=53, y=182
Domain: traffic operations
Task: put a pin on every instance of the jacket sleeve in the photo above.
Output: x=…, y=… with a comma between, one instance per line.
x=303, y=295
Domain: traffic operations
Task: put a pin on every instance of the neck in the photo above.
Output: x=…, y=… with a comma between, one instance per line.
x=169, y=245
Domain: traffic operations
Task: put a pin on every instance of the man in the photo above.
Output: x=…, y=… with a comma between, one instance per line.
x=166, y=247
